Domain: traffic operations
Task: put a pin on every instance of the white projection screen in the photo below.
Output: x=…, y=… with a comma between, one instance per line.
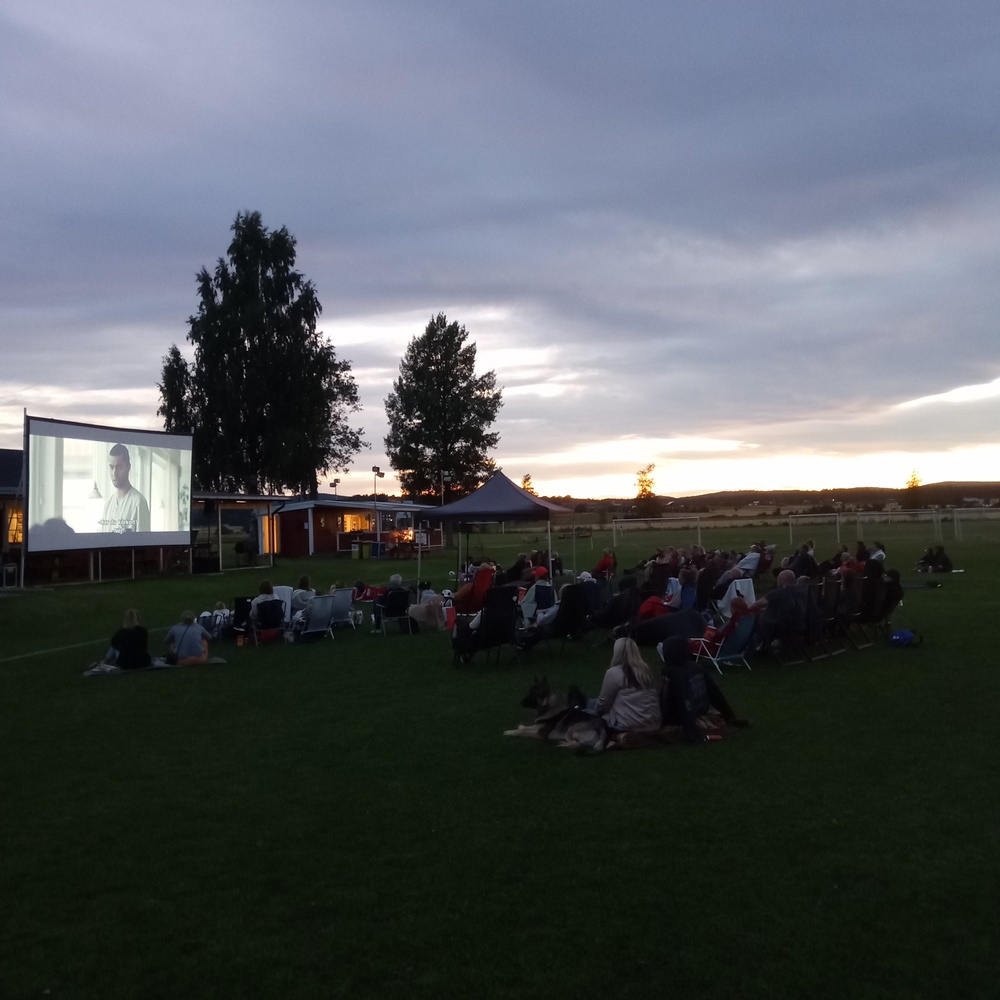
x=92, y=487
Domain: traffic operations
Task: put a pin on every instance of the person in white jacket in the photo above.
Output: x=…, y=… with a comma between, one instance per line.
x=629, y=701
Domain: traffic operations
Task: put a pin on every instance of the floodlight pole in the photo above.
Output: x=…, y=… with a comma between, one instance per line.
x=333, y=486
x=378, y=474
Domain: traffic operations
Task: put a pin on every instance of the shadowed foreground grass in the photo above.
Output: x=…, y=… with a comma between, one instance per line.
x=345, y=819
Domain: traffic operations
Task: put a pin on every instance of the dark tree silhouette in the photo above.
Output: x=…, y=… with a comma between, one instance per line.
x=265, y=397
x=440, y=413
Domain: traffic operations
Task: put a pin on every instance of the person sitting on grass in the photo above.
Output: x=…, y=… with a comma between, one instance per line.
x=628, y=701
x=187, y=642
x=129, y=648
x=130, y=643
x=679, y=670
x=942, y=561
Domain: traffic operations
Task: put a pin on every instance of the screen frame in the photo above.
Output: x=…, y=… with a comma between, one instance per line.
x=171, y=453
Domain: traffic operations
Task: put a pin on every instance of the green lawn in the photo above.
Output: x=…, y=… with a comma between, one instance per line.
x=346, y=819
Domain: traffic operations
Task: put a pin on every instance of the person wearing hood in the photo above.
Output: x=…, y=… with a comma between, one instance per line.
x=679, y=667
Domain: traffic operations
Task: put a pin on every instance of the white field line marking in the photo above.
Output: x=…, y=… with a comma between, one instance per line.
x=76, y=645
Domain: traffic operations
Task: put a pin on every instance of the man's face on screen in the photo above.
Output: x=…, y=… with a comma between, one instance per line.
x=120, y=466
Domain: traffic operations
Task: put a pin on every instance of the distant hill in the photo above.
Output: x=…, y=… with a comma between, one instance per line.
x=932, y=494
x=955, y=494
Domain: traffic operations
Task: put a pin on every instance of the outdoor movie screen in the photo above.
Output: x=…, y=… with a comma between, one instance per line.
x=91, y=487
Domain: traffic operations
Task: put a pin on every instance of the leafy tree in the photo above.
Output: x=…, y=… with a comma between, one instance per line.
x=526, y=484
x=440, y=413
x=266, y=397
x=175, y=393
x=911, y=496
x=646, y=502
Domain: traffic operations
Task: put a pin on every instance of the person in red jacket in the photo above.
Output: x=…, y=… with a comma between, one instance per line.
x=605, y=569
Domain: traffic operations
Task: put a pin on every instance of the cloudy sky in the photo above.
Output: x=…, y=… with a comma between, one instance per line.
x=756, y=244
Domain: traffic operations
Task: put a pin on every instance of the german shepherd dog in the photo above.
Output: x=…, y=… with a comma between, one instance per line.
x=562, y=721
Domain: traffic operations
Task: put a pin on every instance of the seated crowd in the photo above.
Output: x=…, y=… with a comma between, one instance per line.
x=683, y=593
x=694, y=594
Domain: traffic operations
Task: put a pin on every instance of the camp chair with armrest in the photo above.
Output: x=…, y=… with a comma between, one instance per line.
x=619, y=610
x=496, y=629
x=540, y=596
x=481, y=584
x=871, y=597
x=832, y=635
x=284, y=594
x=571, y=619
x=733, y=648
x=802, y=634
x=395, y=608
x=342, y=611
x=545, y=595
x=267, y=622
x=317, y=617
x=743, y=587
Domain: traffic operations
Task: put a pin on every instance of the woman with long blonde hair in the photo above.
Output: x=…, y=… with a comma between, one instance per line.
x=629, y=701
x=131, y=643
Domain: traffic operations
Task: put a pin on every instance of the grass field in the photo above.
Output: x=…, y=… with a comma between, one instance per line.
x=344, y=819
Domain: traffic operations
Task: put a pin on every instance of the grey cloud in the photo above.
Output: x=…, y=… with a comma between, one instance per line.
x=732, y=219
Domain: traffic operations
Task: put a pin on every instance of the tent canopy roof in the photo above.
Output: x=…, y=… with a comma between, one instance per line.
x=500, y=500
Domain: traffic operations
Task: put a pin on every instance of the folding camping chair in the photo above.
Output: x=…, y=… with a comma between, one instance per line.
x=317, y=617
x=742, y=587
x=266, y=624
x=497, y=627
x=733, y=648
x=342, y=612
x=395, y=608
x=284, y=594
x=571, y=618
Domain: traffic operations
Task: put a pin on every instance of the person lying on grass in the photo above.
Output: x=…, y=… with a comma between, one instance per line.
x=187, y=642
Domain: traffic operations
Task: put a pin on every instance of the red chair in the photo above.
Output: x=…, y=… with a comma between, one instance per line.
x=472, y=596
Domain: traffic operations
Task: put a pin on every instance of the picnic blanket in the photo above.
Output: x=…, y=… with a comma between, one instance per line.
x=110, y=670
x=711, y=724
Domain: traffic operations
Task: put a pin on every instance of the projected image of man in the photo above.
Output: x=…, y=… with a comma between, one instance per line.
x=126, y=509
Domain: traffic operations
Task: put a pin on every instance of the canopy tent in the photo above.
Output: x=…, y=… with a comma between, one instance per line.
x=501, y=500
